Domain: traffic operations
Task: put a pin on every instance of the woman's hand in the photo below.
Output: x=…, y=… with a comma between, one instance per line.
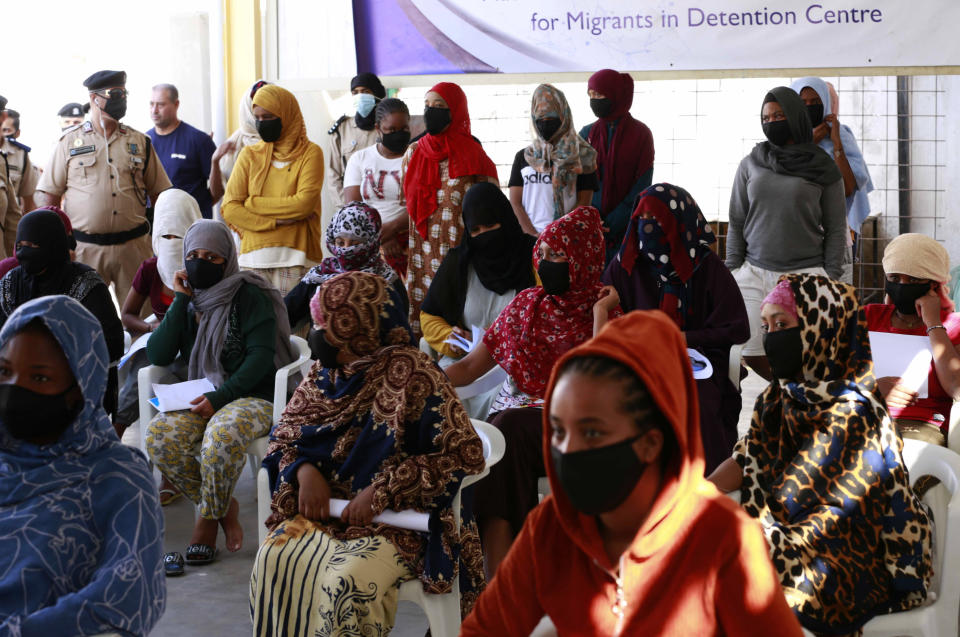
x=223, y=149
x=180, y=283
x=894, y=393
x=820, y=131
x=607, y=299
x=462, y=333
x=928, y=307
x=391, y=249
x=359, y=511
x=392, y=228
x=202, y=407
x=834, y=124
x=314, y=501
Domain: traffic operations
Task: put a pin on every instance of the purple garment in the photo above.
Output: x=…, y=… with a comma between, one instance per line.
x=719, y=320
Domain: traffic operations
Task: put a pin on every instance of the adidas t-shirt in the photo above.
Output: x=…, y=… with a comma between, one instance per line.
x=538, y=191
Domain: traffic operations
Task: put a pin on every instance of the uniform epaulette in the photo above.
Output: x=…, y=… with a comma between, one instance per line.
x=18, y=144
x=336, y=124
x=75, y=127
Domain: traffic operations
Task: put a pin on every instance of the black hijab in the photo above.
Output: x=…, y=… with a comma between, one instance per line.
x=803, y=158
x=501, y=258
x=372, y=82
x=59, y=275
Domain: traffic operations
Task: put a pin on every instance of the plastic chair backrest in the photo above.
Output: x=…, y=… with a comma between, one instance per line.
x=953, y=442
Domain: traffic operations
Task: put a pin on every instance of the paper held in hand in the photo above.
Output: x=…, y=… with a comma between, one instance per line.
x=178, y=396
x=700, y=364
x=902, y=356
x=467, y=346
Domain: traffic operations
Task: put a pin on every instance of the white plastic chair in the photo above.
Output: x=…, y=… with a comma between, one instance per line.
x=733, y=368
x=442, y=611
x=953, y=442
x=257, y=449
x=940, y=616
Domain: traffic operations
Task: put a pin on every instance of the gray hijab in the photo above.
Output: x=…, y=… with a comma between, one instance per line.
x=214, y=304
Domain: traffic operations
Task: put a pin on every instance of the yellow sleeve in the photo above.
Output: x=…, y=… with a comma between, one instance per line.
x=435, y=332
x=306, y=202
x=233, y=210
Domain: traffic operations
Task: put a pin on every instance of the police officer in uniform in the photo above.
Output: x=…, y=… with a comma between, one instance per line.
x=20, y=170
x=350, y=134
x=10, y=212
x=72, y=114
x=105, y=170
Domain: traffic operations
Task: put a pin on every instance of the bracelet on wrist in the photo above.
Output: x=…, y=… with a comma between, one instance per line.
x=936, y=327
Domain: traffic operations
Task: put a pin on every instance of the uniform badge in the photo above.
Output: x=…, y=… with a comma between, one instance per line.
x=77, y=143
x=134, y=150
x=353, y=143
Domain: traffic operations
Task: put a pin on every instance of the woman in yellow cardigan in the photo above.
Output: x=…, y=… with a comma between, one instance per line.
x=273, y=196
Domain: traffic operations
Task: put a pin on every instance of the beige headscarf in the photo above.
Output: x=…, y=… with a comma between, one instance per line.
x=919, y=256
x=246, y=135
x=173, y=212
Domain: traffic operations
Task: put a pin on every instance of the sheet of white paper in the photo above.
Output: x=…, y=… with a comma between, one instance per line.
x=700, y=364
x=179, y=395
x=413, y=520
x=467, y=346
x=135, y=347
x=902, y=356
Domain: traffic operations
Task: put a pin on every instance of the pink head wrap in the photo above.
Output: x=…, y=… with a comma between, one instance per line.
x=782, y=295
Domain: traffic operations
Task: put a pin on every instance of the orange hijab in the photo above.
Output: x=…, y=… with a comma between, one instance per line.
x=293, y=142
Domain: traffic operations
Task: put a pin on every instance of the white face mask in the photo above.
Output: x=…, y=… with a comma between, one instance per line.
x=364, y=103
x=169, y=259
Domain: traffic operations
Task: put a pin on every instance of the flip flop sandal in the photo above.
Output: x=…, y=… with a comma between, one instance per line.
x=173, y=564
x=168, y=495
x=199, y=554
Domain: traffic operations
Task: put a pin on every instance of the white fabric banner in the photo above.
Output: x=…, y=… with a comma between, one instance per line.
x=524, y=36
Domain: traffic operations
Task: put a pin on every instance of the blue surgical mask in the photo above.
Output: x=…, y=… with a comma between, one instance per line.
x=364, y=103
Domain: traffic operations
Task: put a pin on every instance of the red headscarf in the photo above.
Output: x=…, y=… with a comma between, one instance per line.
x=537, y=328
x=628, y=154
x=422, y=181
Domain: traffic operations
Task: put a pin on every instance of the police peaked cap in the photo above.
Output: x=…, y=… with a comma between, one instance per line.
x=105, y=79
x=72, y=109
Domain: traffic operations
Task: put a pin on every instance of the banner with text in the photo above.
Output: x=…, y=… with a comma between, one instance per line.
x=410, y=37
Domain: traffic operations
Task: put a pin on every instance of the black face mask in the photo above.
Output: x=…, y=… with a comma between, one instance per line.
x=784, y=349
x=32, y=260
x=269, y=129
x=436, y=119
x=116, y=107
x=905, y=295
x=321, y=350
x=27, y=415
x=203, y=274
x=598, y=480
x=601, y=107
x=487, y=241
x=396, y=142
x=815, y=112
x=777, y=132
x=547, y=128
x=554, y=276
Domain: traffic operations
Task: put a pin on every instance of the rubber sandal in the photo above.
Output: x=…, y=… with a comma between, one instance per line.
x=168, y=495
x=199, y=554
x=173, y=564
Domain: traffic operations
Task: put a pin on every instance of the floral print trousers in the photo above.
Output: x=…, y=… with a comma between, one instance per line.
x=306, y=582
x=204, y=459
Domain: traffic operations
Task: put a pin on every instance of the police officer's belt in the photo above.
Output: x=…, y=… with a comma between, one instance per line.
x=112, y=238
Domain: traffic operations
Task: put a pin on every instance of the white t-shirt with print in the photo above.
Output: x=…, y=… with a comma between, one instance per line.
x=379, y=181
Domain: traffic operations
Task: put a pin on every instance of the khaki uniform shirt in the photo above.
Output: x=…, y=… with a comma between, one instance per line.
x=346, y=138
x=20, y=170
x=104, y=186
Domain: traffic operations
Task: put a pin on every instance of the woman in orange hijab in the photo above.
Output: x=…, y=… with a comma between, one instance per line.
x=634, y=540
x=438, y=170
x=273, y=196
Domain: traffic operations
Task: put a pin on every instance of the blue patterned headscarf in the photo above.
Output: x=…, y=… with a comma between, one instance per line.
x=81, y=532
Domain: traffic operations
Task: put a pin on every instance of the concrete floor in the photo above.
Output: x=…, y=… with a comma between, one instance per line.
x=213, y=600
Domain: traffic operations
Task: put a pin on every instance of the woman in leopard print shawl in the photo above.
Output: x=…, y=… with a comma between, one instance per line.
x=823, y=474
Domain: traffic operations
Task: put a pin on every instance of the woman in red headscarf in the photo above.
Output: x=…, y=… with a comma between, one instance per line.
x=538, y=326
x=624, y=152
x=437, y=171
